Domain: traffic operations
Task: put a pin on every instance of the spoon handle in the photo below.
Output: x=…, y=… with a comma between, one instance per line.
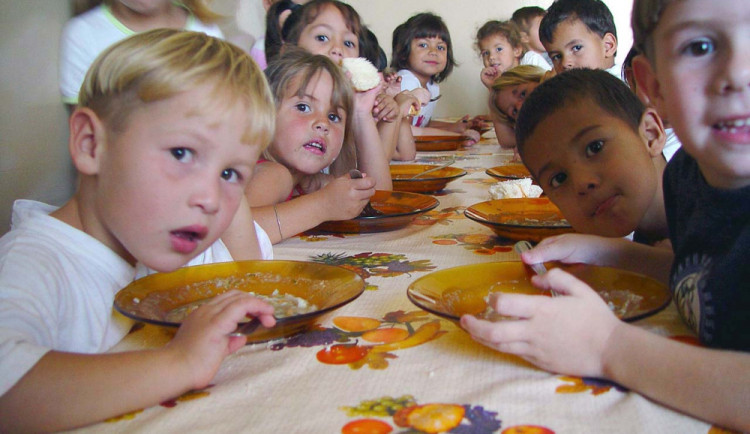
x=539, y=267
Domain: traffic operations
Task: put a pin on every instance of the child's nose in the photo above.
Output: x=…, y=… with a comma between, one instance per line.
x=586, y=182
x=337, y=51
x=734, y=74
x=321, y=125
x=206, y=195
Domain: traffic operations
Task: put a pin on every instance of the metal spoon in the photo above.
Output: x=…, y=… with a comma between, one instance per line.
x=368, y=210
x=539, y=267
x=436, y=98
x=246, y=328
x=434, y=169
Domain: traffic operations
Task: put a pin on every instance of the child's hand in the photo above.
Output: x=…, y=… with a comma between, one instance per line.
x=392, y=83
x=386, y=108
x=203, y=340
x=421, y=94
x=408, y=103
x=489, y=75
x=567, y=334
x=570, y=248
x=344, y=198
x=364, y=102
x=472, y=135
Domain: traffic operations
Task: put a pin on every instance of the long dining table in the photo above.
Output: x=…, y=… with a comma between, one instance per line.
x=329, y=380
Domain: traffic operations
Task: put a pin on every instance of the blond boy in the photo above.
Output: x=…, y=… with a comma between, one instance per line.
x=167, y=132
x=696, y=70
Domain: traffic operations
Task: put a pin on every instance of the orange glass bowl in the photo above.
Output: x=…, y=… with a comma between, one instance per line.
x=438, y=143
x=402, y=175
x=530, y=219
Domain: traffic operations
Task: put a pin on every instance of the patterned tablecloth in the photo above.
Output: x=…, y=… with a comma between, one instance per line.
x=331, y=380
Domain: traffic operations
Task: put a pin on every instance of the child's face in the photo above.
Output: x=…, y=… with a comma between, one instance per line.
x=428, y=57
x=575, y=46
x=511, y=98
x=309, y=130
x=170, y=184
x=702, y=75
x=328, y=35
x=495, y=50
x=594, y=167
x=533, y=33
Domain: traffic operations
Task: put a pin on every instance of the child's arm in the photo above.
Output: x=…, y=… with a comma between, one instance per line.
x=371, y=157
x=613, y=252
x=342, y=198
x=240, y=237
x=406, y=149
x=66, y=390
x=399, y=145
x=577, y=334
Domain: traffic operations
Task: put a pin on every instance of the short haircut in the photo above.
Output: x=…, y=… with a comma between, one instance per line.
x=294, y=69
x=594, y=14
x=645, y=17
x=371, y=50
x=508, y=29
x=566, y=89
x=273, y=41
x=159, y=64
x=423, y=25
x=301, y=17
x=523, y=16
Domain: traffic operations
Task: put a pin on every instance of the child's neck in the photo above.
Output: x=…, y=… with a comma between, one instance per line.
x=653, y=226
x=423, y=79
x=170, y=16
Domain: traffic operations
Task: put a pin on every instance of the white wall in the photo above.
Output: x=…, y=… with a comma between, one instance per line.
x=34, y=161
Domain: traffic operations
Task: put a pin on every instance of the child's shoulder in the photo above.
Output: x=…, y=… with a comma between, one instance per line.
x=272, y=182
x=536, y=59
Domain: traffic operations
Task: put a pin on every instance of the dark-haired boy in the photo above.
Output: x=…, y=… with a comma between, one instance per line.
x=580, y=34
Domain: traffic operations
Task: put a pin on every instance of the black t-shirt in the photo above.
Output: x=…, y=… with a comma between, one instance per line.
x=710, y=233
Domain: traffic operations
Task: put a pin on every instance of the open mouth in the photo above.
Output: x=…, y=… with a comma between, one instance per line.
x=734, y=126
x=315, y=146
x=187, y=235
x=185, y=240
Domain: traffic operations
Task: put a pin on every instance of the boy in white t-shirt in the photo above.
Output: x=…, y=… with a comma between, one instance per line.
x=167, y=132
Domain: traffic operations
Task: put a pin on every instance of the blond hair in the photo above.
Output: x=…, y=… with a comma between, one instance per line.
x=158, y=64
x=292, y=71
x=645, y=17
x=521, y=74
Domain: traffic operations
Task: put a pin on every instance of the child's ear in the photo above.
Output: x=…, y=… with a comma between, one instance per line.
x=517, y=52
x=610, y=45
x=646, y=82
x=652, y=131
x=86, y=142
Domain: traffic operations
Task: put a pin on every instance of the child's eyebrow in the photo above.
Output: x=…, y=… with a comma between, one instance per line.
x=573, y=42
x=573, y=140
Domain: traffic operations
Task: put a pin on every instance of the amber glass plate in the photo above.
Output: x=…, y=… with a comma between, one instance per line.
x=456, y=291
x=152, y=298
x=434, y=181
x=510, y=171
x=399, y=208
x=530, y=219
x=438, y=143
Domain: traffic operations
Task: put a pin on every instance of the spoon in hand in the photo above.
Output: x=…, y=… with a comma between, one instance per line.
x=368, y=210
x=539, y=268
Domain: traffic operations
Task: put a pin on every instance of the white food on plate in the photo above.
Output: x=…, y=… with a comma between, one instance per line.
x=515, y=188
x=364, y=75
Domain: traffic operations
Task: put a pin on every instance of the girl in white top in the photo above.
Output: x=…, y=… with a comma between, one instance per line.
x=501, y=48
x=88, y=34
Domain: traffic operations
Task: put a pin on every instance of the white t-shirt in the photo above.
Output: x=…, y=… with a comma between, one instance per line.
x=672, y=144
x=536, y=59
x=57, y=289
x=616, y=70
x=85, y=36
x=410, y=81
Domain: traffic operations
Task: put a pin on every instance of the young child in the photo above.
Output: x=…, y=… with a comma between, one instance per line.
x=289, y=193
x=596, y=151
x=509, y=91
x=334, y=29
x=695, y=69
x=423, y=56
x=580, y=34
x=501, y=48
x=88, y=34
x=528, y=19
x=165, y=137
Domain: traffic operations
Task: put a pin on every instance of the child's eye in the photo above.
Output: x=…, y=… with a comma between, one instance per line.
x=577, y=48
x=334, y=117
x=555, y=58
x=557, y=180
x=184, y=155
x=230, y=175
x=441, y=48
x=499, y=49
x=321, y=38
x=594, y=148
x=350, y=44
x=699, y=48
x=484, y=53
x=302, y=107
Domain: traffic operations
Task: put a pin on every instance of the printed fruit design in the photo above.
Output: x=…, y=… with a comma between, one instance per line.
x=527, y=429
x=430, y=418
x=342, y=354
x=386, y=335
x=366, y=426
x=385, y=406
x=355, y=324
